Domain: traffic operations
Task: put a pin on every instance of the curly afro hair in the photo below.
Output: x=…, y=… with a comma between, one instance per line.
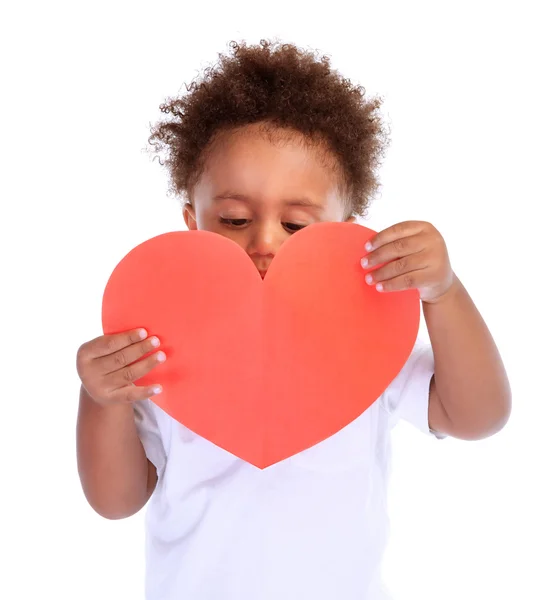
x=285, y=88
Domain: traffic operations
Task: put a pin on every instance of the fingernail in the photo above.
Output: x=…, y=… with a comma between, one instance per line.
x=161, y=357
x=155, y=342
x=368, y=246
x=364, y=262
x=369, y=279
x=379, y=287
x=142, y=334
x=157, y=390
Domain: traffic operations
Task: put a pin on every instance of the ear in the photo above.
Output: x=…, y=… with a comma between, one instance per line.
x=189, y=214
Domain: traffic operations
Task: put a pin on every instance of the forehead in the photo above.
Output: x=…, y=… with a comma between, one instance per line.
x=269, y=163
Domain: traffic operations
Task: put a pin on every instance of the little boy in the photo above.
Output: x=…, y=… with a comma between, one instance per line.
x=270, y=141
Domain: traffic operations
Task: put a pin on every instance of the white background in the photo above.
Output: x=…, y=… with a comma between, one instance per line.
x=466, y=98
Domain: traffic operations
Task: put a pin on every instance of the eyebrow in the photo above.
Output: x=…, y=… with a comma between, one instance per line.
x=303, y=201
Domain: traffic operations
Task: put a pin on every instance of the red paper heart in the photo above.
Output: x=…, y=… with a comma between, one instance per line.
x=264, y=368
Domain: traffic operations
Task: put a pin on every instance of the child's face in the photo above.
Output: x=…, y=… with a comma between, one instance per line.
x=258, y=193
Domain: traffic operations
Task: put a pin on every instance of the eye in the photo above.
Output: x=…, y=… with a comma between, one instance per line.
x=293, y=227
x=234, y=223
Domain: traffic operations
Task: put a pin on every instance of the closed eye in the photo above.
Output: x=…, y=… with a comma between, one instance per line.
x=240, y=223
x=293, y=227
x=235, y=223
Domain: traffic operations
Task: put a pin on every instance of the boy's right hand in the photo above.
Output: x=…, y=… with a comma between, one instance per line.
x=108, y=366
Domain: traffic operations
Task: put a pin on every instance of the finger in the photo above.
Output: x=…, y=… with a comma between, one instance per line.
x=408, y=281
x=399, y=248
x=135, y=371
x=395, y=268
x=135, y=393
x=400, y=230
x=126, y=356
x=109, y=344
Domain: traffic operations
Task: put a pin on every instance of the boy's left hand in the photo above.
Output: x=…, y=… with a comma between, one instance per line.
x=413, y=255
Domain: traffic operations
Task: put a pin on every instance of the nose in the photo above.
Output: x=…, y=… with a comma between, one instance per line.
x=265, y=242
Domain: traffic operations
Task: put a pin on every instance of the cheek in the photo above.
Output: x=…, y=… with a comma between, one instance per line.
x=205, y=222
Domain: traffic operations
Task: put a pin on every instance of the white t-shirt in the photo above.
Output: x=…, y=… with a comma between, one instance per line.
x=312, y=526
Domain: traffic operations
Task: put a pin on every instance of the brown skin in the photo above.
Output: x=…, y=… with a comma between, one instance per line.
x=116, y=476
x=257, y=192
x=470, y=396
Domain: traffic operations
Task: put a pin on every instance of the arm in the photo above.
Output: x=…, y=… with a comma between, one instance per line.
x=470, y=396
x=116, y=476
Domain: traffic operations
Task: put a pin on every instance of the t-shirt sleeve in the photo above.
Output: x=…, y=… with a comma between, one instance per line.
x=407, y=396
x=148, y=429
